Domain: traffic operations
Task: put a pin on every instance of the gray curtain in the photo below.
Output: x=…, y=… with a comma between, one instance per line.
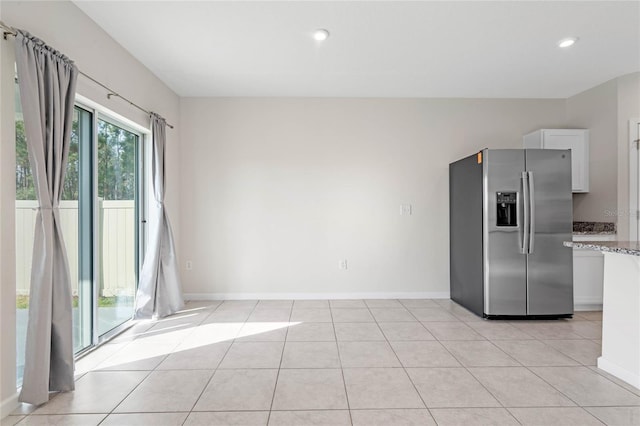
x=47, y=81
x=159, y=290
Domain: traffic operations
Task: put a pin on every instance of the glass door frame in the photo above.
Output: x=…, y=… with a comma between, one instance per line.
x=85, y=227
x=141, y=207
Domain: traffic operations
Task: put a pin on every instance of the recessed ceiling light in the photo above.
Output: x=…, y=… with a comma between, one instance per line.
x=321, y=34
x=567, y=42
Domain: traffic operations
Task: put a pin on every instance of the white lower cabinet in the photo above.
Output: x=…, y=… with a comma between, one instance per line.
x=588, y=274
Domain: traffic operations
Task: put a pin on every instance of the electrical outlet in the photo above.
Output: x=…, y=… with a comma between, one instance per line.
x=189, y=265
x=342, y=264
x=405, y=209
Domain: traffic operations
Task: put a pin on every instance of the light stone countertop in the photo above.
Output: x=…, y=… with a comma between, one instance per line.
x=594, y=228
x=631, y=248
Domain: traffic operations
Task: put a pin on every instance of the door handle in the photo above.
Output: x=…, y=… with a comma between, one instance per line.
x=525, y=221
x=532, y=214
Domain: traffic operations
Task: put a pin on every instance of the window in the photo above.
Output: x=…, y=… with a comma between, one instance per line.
x=101, y=213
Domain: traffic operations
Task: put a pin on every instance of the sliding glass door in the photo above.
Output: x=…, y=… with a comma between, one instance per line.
x=101, y=212
x=118, y=213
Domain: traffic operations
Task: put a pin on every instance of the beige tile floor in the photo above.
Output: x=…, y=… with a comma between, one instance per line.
x=343, y=362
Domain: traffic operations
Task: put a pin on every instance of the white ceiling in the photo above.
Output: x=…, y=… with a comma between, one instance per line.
x=377, y=49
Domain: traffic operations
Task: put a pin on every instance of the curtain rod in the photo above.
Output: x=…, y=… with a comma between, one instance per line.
x=9, y=30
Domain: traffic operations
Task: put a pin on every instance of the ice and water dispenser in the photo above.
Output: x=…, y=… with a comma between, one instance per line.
x=506, y=212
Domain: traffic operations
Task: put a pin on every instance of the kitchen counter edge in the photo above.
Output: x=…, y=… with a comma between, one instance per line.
x=631, y=248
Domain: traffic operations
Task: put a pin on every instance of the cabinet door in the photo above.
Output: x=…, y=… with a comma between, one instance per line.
x=577, y=142
x=588, y=276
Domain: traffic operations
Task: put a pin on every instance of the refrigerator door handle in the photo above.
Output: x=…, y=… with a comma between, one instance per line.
x=525, y=222
x=532, y=213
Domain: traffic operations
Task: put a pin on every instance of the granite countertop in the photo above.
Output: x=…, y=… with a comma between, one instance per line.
x=622, y=247
x=594, y=228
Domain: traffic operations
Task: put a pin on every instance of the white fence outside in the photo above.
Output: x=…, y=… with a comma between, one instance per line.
x=116, y=242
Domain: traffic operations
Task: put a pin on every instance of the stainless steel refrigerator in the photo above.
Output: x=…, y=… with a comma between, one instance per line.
x=510, y=212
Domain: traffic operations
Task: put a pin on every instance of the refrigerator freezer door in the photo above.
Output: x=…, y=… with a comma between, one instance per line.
x=549, y=263
x=504, y=265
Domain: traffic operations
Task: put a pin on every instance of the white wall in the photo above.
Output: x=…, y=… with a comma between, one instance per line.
x=606, y=110
x=7, y=235
x=628, y=108
x=63, y=26
x=596, y=109
x=275, y=191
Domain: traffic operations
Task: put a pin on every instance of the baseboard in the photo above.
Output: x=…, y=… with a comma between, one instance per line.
x=315, y=296
x=587, y=307
x=8, y=405
x=587, y=304
x=623, y=374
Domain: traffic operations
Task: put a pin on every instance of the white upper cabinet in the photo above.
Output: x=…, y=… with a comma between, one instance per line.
x=577, y=140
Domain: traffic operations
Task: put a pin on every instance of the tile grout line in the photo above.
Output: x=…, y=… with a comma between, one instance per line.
x=561, y=392
x=534, y=338
x=580, y=365
x=398, y=358
x=529, y=368
x=564, y=353
x=472, y=375
x=126, y=344
x=148, y=372
x=284, y=344
x=375, y=320
x=208, y=381
x=486, y=388
x=595, y=369
x=468, y=371
x=538, y=408
x=207, y=384
x=221, y=359
x=561, y=353
x=419, y=322
x=107, y=414
x=126, y=396
x=344, y=382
